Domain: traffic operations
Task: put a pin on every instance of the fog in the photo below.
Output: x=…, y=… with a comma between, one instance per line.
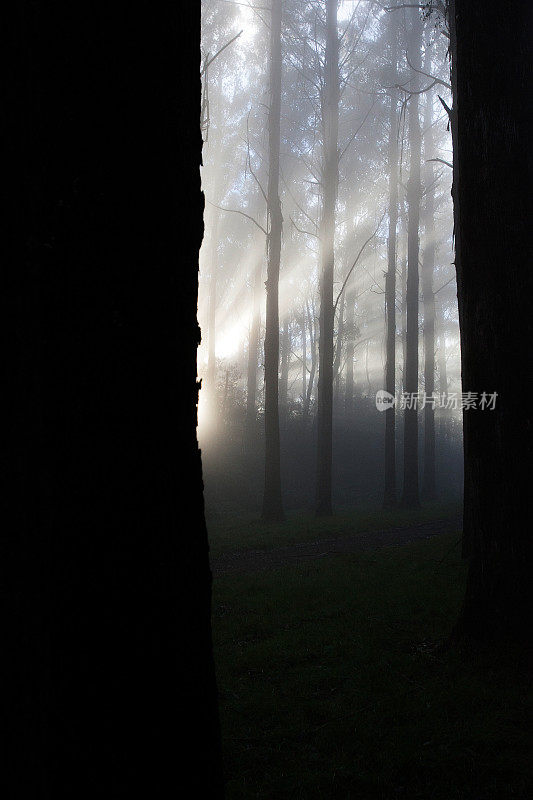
x=377, y=85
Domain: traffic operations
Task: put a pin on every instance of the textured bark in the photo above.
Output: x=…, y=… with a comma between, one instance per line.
x=494, y=278
x=410, y=497
x=330, y=179
x=428, y=267
x=112, y=679
x=272, y=504
x=389, y=497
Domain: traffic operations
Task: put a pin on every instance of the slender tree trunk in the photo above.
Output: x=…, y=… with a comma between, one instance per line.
x=272, y=505
x=304, y=359
x=390, y=284
x=253, y=350
x=285, y=363
x=428, y=266
x=338, y=350
x=350, y=341
x=410, y=471
x=495, y=286
x=312, y=343
x=330, y=178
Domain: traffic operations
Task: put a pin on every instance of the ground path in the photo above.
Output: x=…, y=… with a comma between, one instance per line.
x=256, y=560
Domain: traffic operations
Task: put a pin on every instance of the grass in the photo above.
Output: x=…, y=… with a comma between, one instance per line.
x=229, y=531
x=333, y=684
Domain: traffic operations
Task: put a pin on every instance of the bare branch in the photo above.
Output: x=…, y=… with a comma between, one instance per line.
x=210, y=61
x=238, y=211
x=355, y=262
x=441, y=161
x=307, y=233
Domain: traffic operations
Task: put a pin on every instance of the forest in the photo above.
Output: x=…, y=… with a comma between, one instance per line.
x=266, y=282
x=361, y=296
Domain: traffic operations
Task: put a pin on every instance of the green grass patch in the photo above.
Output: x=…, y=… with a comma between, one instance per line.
x=333, y=683
x=230, y=532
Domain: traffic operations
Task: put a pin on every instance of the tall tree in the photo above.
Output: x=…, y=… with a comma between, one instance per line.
x=253, y=348
x=350, y=346
x=272, y=504
x=414, y=190
x=428, y=266
x=390, y=280
x=495, y=285
x=330, y=181
x=111, y=601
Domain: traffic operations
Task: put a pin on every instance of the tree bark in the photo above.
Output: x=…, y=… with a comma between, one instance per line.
x=272, y=503
x=109, y=591
x=494, y=278
x=330, y=178
x=410, y=496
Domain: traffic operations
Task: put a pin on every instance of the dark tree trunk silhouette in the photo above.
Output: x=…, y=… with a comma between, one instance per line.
x=285, y=363
x=330, y=179
x=389, y=498
x=253, y=350
x=410, y=495
x=108, y=581
x=428, y=266
x=304, y=358
x=494, y=279
x=272, y=504
x=350, y=344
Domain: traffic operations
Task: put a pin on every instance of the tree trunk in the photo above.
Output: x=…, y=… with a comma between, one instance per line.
x=350, y=343
x=330, y=178
x=410, y=465
x=304, y=359
x=285, y=364
x=272, y=505
x=428, y=266
x=108, y=590
x=389, y=498
x=253, y=350
x=494, y=279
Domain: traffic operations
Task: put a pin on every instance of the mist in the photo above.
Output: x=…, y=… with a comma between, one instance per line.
x=385, y=64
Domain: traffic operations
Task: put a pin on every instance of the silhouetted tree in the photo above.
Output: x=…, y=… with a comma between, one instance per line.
x=330, y=180
x=390, y=279
x=494, y=281
x=410, y=495
x=272, y=505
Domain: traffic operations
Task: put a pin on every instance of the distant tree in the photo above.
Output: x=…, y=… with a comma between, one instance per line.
x=390, y=280
x=428, y=267
x=272, y=504
x=330, y=180
x=414, y=190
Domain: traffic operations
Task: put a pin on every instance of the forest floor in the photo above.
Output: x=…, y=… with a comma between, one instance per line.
x=252, y=560
x=336, y=680
x=235, y=531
